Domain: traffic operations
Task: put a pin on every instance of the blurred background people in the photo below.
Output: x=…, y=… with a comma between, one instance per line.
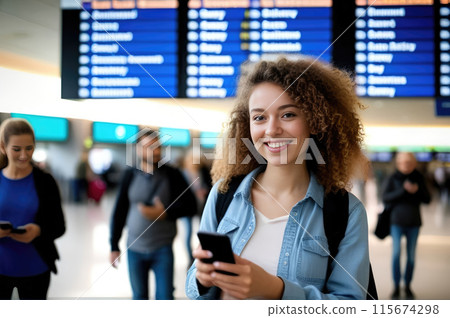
x=196, y=172
x=83, y=175
x=149, y=201
x=29, y=201
x=405, y=191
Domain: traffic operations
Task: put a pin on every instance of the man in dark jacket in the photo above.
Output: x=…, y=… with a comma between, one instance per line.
x=149, y=201
x=404, y=192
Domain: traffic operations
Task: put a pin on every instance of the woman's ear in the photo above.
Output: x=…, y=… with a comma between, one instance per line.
x=2, y=149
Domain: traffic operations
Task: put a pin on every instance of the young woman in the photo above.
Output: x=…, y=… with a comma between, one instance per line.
x=30, y=200
x=301, y=118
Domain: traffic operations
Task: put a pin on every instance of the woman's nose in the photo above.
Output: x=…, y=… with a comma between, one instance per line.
x=273, y=127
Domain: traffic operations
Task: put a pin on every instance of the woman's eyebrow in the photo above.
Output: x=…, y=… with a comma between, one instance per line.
x=287, y=106
x=282, y=107
x=258, y=110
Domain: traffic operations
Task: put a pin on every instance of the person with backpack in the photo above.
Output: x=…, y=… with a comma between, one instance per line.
x=293, y=144
x=151, y=197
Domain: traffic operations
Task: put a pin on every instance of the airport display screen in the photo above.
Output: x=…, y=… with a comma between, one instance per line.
x=443, y=71
x=395, y=48
x=47, y=128
x=224, y=34
x=114, y=133
x=208, y=139
x=196, y=48
x=126, y=49
x=174, y=137
x=170, y=48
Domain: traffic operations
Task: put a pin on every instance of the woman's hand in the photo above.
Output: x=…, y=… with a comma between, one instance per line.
x=252, y=281
x=4, y=233
x=32, y=231
x=204, y=270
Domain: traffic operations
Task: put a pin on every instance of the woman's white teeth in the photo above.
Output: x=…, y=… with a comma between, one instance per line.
x=276, y=144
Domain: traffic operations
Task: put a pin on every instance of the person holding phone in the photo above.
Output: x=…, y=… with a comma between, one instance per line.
x=30, y=213
x=405, y=191
x=150, y=199
x=297, y=136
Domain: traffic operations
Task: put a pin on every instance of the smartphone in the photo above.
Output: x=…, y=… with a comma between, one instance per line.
x=5, y=225
x=19, y=230
x=220, y=247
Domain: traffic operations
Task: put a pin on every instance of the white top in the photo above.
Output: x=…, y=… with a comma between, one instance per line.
x=264, y=246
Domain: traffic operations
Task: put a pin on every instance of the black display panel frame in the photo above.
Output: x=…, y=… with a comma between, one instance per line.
x=342, y=51
x=70, y=53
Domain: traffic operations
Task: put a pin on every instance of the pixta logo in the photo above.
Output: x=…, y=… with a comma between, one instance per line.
x=145, y=148
x=309, y=150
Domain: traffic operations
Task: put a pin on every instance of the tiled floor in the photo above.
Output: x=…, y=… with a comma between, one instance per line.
x=84, y=271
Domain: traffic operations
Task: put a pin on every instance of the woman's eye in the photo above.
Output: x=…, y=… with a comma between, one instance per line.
x=289, y=115
x=258, y=118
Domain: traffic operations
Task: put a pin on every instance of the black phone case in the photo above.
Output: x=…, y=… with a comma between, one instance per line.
x=18, y=231
x=220, y=246
x=5, y=225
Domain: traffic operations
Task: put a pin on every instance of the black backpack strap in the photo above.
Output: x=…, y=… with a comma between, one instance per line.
x=372, y=293
x=335, y=219
x=224, y=199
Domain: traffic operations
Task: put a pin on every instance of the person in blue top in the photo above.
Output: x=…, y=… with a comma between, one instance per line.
x=295, y=133
x=29, y=200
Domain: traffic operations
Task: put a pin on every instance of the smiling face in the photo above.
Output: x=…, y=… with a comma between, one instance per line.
x=19, y=151
x=276, y=124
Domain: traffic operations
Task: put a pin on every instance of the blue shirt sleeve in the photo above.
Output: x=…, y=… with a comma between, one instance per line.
x=209, y=224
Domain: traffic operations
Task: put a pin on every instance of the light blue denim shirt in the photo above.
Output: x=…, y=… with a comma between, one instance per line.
x=304, y=252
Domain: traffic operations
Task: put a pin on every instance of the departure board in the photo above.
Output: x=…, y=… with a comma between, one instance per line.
x=223, y=34
x=443, y=25
x=443, y=58
x=196, y=48
x=395, y=53
x=127, y=49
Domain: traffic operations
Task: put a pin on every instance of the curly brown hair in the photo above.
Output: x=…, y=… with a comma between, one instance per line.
x=327, y=98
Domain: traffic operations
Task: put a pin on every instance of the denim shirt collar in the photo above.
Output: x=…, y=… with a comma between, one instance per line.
x=315, y=189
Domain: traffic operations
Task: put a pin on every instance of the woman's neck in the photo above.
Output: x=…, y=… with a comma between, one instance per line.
x=290, y=179
x=12, y=172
